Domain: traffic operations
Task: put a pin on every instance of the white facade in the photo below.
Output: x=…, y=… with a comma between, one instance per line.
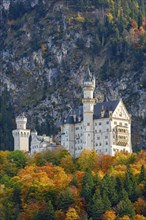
x=21, y=134
x=104, y=127
x=41, y=143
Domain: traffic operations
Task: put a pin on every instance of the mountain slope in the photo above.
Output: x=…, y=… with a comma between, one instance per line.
x=46, y=44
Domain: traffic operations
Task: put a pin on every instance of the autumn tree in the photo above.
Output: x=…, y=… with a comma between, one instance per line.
x=68, y=164
x=109, y=215
x=72, y=214
x=140, y=206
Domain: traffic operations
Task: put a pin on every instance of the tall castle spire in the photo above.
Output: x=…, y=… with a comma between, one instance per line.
x=88, y=109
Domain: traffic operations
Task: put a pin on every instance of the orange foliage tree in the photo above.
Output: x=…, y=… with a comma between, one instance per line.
x=109, y=215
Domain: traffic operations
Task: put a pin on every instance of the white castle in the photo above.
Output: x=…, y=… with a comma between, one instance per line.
x=22, y=135
x=41, y=143
x=104, y=127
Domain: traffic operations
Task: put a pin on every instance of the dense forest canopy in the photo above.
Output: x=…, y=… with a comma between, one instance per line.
x=53, y=185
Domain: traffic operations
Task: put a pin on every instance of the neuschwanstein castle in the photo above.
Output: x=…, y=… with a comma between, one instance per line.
x=104, y=127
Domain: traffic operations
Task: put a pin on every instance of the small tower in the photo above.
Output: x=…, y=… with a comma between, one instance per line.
x=88, y=110
x=21, y=134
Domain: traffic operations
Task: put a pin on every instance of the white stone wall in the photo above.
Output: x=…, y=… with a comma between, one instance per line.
x=78, y=139
x=21, y=140
x=102, y=136
x=40, y=143
x=68, y=137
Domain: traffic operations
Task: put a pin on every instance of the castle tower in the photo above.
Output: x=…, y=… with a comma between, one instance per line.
x=88, y=110
x=21, y=134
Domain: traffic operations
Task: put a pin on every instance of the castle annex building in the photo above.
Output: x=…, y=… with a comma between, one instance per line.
x=22, y=138
x=104, y=127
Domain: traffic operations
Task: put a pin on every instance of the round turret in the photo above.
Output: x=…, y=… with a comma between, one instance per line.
x=34, y=133
x=21, y=122
x=21, y=134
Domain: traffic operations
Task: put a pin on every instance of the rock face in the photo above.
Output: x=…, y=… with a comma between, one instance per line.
x=45, y=46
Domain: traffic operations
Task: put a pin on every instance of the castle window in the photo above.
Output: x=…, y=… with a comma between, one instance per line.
x=120, y=123
x=99, y=123
x=88, y=124
x=107, y=130
x=126, y=124
x=106, y=150
x=89, y=135
x=115, y=123
x=98, y=138
x=100, y=144
x=107, y=122
x=106, y=143
x=96, y=145
x=95, y=124
x=106, y=137
x=99, y=130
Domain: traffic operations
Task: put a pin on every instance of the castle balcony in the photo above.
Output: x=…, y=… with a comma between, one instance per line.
x=122, y=135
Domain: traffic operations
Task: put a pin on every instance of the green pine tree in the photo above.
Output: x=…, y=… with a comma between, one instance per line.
x=106, y=202
x=87, y=185
x=50, y=211
x=96, y=207
x=142, y=175
x=126, y=208
x=65, y=199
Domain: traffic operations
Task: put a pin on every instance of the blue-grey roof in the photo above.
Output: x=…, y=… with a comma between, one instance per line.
x=76, y=115
x=106, y=107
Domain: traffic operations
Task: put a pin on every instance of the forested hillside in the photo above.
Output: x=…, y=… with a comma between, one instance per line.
x=53, y=186
x=45, y=46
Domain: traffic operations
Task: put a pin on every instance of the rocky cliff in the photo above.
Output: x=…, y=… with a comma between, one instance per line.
x=45, y=45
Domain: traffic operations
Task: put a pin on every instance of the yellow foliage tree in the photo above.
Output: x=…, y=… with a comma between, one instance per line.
x=87, y=159
x=72, y=214
x=125, y=217
x=110, y=17
x=140, y=217
x=67, y=163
